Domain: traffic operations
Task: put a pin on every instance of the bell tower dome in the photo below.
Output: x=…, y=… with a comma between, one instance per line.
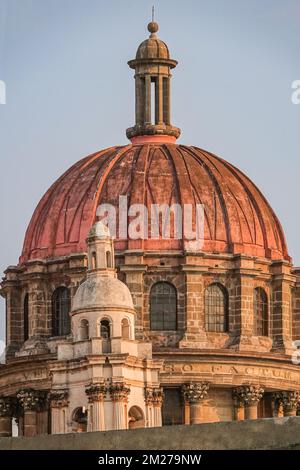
x=152, y=66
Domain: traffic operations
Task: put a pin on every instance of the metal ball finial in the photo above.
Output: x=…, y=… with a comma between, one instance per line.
x=152, y=27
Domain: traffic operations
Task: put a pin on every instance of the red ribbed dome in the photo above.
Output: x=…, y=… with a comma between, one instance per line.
x=238, y=219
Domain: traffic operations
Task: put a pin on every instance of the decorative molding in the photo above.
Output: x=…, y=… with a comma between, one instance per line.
x=32, y=400
x=289, y=400
x=58, y=398
x=96, y=392
x=194, y=392
x=119, y=392
x=154, y=396
x=247, y=395
x=7, y=407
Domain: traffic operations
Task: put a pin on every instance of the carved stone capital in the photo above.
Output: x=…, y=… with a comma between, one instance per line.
x=7, y=407
x=119, y=392
x=289, y=400
x=96, y=392
x=247, y=395
x=58, y=398
x=32, y=400
x=154, y=396
x=194, y=392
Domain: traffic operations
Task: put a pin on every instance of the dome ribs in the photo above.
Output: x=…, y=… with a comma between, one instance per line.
x=121, y=151
x=183, y=182
x=148, y=186
x=168, y=151
x=79, y=210
x=160, y=186
x=138, y=186
x=212, y=231
x=200, y=157
x=270, y=220
x=32, y=236
x=237, y=203
x=42, y=240
x=238, y=219
x=78, y=191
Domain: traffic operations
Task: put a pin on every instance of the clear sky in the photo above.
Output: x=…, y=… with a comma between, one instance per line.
x=70, y=93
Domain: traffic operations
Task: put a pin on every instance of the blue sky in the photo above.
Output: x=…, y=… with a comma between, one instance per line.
x=70, y=93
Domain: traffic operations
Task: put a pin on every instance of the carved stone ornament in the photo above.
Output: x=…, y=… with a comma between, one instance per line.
x=154, y=396
x=32, y=400
x=7, y=406
x=58, y=398
x=119, y=392
x=289, y=400
x=194, y=392
x=96, y=392
x=247, y=395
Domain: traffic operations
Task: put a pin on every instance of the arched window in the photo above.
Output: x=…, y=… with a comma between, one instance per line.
x=108, y=259
x=105, y=329
x=163, y=306
x=216, y=309
x=136, y=418
x=61, y=324
x=260, y=312
x=79, y=420
x=84, y=330
x=125, y=329
x=26, y=317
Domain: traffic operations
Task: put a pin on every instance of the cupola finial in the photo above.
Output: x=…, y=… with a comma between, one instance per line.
x=152, y=66
x=153, y=26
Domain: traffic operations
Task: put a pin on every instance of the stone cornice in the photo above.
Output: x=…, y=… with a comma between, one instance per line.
x=194, y=268
x=283, y=277
x=281, y=263
x=227, y=354
x=127, y=268
x=102, y=309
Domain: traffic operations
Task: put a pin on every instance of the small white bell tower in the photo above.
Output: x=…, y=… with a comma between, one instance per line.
x=100, y=249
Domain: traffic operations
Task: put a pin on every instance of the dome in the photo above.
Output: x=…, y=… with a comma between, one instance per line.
x=153, y=48
x=238, y=219
x=98, y=292
x=99, y=230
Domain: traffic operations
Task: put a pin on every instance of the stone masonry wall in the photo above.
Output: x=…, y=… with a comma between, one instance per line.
x=273, y=433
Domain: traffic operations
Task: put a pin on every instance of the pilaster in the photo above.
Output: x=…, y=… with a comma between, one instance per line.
x=31, y=401
x=153, y=401
x=58, y=400
x=96, y=394
x=7, y=409
x=119, y=395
